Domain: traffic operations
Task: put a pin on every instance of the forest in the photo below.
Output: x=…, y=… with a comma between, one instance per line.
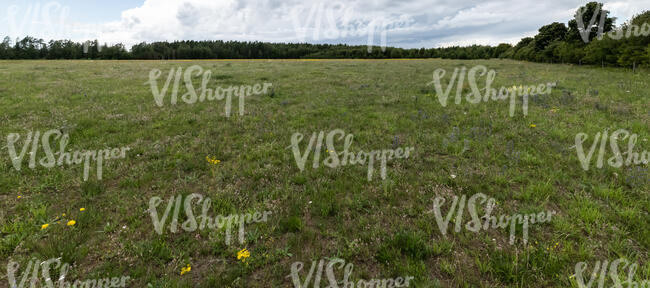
x=626, y=45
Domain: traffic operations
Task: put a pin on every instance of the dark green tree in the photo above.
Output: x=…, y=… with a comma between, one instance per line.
x=549, y=33
x=594, y=20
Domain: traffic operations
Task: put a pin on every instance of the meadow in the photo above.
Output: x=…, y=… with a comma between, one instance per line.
x=527, y=163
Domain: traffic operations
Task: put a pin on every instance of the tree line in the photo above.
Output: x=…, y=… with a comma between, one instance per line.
x=601, y=44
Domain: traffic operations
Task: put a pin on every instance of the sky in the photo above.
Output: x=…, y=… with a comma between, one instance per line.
x=396, y=23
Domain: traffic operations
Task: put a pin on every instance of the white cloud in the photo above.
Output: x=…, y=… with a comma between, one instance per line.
x=481, y=39
x=625, y=10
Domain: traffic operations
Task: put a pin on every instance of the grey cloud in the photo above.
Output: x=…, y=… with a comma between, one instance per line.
x=187, y=15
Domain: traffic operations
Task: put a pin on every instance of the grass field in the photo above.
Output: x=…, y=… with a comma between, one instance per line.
x=381, y=226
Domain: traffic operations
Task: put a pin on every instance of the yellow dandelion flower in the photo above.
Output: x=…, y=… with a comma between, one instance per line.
x=82, y=209
x=243, y=254
x=63, y=214
x=533, y=125
x=71, y=223
x=212, y=160
x=44, y=226
x=186, y=269
x=19, y=197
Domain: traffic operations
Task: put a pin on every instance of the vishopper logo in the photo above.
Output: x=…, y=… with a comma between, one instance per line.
x=90, y=45
x=51, y=20
x=52, y=267
x=335, y=159
x=337, y=20
x=348, y=268
x=616, y=161
x=42, y=20
x=338, y=17
x=616, y=34
x=475, y=96
x=600, y=274
x=68, y=158
x=209, y=94
x=487, y=220
x=204, y=221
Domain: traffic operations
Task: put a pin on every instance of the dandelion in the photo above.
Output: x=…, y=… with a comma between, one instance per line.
x=71, y=223
x=186, y=269
x=243, y=254
x=213, y=161
x=19, y=197
x=63, y=214
x=82, y=209
x=533, y=125
x=44, y=226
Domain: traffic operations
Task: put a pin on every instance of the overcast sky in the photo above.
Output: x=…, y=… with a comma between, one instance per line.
x=403, y=23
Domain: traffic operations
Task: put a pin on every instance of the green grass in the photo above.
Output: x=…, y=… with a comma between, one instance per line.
x=380, y=226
